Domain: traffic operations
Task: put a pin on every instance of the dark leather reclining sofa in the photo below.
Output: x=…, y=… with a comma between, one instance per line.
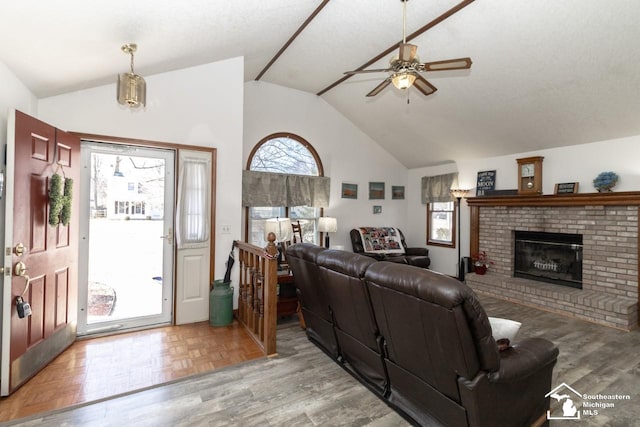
x=420, y=340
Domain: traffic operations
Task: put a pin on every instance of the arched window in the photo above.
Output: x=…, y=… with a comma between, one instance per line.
x=291, y=154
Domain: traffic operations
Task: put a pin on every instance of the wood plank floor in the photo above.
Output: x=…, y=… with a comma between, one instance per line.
x=97, y=368
x=303, y=387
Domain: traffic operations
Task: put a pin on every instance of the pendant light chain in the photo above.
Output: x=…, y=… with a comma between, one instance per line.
x=131, y=53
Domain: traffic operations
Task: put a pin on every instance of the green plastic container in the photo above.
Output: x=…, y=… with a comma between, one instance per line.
x=221, y=304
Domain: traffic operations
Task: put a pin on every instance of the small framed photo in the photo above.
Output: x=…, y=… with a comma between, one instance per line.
x=376, y=191
x=377, y=209
x=349, y=191
x=397, y=192
x=566, y=188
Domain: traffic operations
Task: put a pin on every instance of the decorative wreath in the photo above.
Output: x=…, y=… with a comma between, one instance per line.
x=60, y=200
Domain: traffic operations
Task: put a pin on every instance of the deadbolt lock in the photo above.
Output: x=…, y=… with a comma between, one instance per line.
x=19, y=249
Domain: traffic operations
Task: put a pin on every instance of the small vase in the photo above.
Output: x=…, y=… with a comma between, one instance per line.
x=605, y=190
x=480, y=269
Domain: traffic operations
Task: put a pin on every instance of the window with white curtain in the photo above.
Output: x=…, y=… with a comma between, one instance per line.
x=192, y=220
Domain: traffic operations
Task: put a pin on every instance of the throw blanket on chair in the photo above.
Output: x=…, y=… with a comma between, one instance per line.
x=381, y=240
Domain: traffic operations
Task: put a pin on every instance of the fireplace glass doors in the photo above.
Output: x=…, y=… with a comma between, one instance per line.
x=549, y=257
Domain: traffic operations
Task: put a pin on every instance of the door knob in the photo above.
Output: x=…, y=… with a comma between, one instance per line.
x=169, y=236
x=20, y=269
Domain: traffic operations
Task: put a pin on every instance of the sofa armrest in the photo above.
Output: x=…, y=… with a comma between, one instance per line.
x=523, y=359
x=417, y=251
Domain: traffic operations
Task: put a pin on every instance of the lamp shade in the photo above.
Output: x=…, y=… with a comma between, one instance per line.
x=459, y=193
x=132, y=90
x=327, y=224
x=281, y=227
x=403, y=80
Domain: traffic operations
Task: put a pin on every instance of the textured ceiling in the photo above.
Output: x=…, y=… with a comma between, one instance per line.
x=545, y=73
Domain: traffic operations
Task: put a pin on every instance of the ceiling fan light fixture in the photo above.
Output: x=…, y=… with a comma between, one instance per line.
x=403, y=80
x=131, y=89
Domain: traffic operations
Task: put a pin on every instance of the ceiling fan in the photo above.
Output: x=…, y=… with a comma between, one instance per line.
x=405, y=67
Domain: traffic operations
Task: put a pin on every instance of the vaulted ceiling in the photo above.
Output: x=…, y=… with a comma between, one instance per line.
x=545, y=73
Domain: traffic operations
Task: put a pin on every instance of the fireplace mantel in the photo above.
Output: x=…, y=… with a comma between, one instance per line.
x=623, y=198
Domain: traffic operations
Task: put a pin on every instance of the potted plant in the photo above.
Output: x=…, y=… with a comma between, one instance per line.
x=481, y=262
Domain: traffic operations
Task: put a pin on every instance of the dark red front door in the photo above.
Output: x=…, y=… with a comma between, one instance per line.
x=50, y=253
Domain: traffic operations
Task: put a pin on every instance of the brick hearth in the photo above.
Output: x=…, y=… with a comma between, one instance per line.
x=609, y=227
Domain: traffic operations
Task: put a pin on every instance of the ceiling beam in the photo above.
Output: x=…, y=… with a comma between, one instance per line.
x=293, y=37
x=410, y=37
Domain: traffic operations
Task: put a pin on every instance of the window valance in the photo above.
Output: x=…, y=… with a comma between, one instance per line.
x=437, y=189
x=279, y=189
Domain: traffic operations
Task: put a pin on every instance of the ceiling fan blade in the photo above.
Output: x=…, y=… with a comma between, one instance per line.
x=424, y=86
x=379, y=88
x=449, y=64
x=407, y=52
x=377, y=70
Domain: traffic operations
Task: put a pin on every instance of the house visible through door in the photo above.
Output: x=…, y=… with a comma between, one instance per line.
x=126, y=237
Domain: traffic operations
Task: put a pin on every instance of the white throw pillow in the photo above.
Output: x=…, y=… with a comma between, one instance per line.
x=504, y=328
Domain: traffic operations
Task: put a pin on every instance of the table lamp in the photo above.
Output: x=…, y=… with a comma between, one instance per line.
x=327, y=225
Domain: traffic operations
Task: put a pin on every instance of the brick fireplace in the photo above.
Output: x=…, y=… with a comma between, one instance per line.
x=608, y=224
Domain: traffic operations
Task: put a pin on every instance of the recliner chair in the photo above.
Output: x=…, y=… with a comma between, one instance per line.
x=418, y=257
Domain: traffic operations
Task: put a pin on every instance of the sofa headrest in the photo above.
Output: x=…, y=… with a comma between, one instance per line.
x=305, y=251
x=424, y=284
x=444, y=291
x=344, y=262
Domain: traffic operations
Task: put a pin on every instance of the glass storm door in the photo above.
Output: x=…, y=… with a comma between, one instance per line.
x=126, y=238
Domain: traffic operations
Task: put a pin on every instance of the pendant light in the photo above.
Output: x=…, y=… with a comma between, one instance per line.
x=132, y=89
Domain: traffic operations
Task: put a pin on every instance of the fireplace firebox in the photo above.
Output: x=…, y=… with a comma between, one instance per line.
x=549, y=257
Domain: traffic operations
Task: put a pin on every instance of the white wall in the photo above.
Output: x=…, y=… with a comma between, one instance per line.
x=578, y=163
x=347, y=154
x=15, y=95
x=197, y=106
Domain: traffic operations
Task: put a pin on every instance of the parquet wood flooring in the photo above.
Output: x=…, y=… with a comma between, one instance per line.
x=302, y=386
x=97, y=368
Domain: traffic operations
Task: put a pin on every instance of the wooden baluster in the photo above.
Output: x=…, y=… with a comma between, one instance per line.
x=258, y=309
x=270, y=299
x=241, y=286
x=251, y=296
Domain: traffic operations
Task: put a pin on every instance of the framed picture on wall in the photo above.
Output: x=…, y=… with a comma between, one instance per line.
x=486, y=182
x=376, y=190
x=397, y=192
x=377, y=209
x=349, y=191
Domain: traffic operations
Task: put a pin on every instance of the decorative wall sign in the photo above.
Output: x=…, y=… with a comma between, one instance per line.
x=377, y=209
x=566, y=188
x=397, y=192
x=349, y=191
x=486, y=181
x=376, y=190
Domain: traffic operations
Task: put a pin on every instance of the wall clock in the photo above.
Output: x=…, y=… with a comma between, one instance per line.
x=530, y=175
